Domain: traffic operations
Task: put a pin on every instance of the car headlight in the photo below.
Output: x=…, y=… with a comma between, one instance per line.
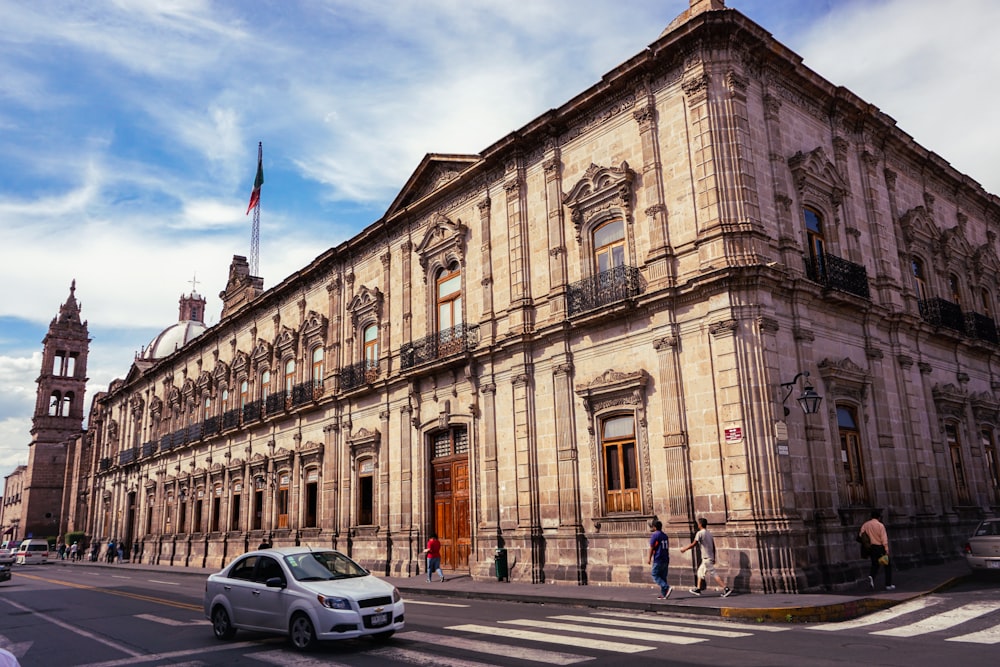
x=334, y=603
x=395, y=595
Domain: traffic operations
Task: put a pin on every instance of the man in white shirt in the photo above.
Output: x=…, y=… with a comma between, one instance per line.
x=705, y=539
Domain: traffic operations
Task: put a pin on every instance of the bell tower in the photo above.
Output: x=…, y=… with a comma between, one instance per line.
x=58, y=418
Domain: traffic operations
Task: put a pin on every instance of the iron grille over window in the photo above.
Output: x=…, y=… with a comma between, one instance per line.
x=211, y=426
x=942, y=313
x=194, y=432
x=445, y=343
x=305, y=392
x=837, y=273
x=251, y=412
x=231, y=418
x=128, y=455
x=605, y=288
x=275, y=402
x=148, y=448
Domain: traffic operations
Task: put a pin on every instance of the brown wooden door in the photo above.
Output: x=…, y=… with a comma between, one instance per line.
x=451, y=511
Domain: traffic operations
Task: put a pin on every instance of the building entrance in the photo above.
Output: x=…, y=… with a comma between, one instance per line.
x=450, y=488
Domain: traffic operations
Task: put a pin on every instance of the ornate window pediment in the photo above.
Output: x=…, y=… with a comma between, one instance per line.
x=136, y=404
x=986, y=408
x=286, y=341
x=602, y=189
x=845, y=379
x=241, y=363
x=261, y=352
x=817, y=178
x=443, y=244
x=366, y=306
x=949, y=400
x=313, y=326
x=365, y=443
x=613, y=389
x=204, y=383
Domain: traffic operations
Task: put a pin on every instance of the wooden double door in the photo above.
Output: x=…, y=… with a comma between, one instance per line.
x=452, y=520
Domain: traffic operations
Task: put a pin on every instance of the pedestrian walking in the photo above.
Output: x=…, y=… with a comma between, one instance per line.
x=659, y=558
x=110, y=554
x=62, y=551
x=95, y=549
x=73, y=552
x=433, y=552
x=119, y=552
x=706, y=541
x=879, y=550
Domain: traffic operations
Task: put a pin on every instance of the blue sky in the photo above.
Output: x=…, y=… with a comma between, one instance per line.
x=129, y=129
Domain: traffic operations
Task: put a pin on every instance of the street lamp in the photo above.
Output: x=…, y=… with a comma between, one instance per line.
x=809, y=400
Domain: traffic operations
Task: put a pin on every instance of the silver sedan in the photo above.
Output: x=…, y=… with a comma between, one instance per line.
x=982, y=551
x=308, y=594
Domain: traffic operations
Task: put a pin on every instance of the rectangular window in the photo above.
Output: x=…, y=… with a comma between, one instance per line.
x=182, y=518
x=258, y=509
x=366, y=500
x=958, y=469
x=312, y=497
x=216, y=508
x=283, y=502
x=621, y=474
x=992, y=462
x=234, y=516
x=198, y=509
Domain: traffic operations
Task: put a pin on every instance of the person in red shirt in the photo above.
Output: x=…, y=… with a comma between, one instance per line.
x=433, y=552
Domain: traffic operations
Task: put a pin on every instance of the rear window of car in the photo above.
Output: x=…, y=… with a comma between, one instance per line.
x=988, y=528
x=38, y=547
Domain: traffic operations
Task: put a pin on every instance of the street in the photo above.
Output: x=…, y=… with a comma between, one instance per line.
x=99, y=616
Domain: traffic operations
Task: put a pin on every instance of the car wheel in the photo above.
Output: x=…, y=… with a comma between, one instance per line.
x=221, y=626
x=301, y=632
x=384, y=636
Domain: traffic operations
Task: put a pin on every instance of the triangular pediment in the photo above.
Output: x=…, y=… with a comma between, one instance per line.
x=434, y=172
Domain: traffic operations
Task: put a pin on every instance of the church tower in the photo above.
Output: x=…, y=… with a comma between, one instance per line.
x=58, y=418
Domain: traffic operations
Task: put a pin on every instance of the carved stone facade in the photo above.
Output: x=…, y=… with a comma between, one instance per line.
x=554, y=370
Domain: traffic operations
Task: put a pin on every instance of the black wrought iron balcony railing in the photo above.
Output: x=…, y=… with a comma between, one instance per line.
x=443, y=344
x=251, y=412
x=838, y=273
x=231, y=418
x=355, y=375
x=104, y=464
x=127, y=456
x=194, y=432
x=211, y=426
x=306, y=392
x=605, y=288
x=148, y=448
x=167, y=442
x=942, y=313
x=981, y=327
x=275, y=403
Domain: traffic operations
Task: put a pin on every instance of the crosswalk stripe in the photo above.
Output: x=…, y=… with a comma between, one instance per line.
x=627, y=634
x=411, y=657
x=664, y=626
x=411, y=601
x=494, y=648
x=942, y=621
x=528, y=635
x=161, y=620
x=287, y=658
x=889, y=614
x=987, y=636
x=703, y=622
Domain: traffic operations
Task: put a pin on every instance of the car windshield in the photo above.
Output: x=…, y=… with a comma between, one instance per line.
x=322, y=566
x=988, y=528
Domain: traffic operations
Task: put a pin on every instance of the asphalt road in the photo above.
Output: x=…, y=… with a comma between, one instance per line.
x=65, y=616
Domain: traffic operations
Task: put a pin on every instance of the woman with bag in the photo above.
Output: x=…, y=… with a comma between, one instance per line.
x=878, y=552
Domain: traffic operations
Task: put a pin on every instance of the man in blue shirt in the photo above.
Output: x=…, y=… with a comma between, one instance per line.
x=659, y=558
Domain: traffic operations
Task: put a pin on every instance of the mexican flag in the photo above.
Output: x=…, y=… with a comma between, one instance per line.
x=257, y=182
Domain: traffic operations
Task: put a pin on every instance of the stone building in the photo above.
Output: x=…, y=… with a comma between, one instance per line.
x=602, y=318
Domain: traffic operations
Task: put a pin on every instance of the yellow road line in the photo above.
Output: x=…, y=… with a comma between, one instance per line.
x=109, y=591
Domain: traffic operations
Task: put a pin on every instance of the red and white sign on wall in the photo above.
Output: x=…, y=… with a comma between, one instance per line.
x=734, y=434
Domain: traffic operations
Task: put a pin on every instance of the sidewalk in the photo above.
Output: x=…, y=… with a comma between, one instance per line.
x=759, y=607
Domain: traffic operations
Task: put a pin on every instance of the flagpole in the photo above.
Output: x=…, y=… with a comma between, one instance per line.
x=255, y=199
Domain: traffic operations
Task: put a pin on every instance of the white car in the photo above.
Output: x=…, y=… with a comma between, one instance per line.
x=7, y=556
x=982, y=551
x=308, y=594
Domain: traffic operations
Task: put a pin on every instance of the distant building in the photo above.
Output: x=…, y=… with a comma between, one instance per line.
x=10, y=510
x=603, y=317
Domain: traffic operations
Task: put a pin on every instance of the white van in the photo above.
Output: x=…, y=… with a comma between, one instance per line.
x=32, y=551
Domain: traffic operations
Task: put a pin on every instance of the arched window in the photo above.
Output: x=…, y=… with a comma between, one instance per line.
x=919, y=279
x=621, y=474
x=449, y=297
x=67, y=404
x=265, y=384
x=371, y=347
x=954, y=289
x=954, y=443
x=992, y=462
x=986, y=303
x=55, y=404
x=317, y=365
x=289, y=376
x=244, y=393
x=850, y=455
x=609, y=246
x=816, y=241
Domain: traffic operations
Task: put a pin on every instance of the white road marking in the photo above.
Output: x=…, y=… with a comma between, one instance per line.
x=155, y=657
x=880, y=616
x=157, y=581
x=659, y=625
x=409, y=601
x=493, y=648
x=987, y=636
x=527, y=635
x=626, y=634
x=292, y=659
x=72, y=628
x=119, y=576
x=163, y=621
x=699, y=621
x=417, y=658
x=18, y=648
x=942, y=621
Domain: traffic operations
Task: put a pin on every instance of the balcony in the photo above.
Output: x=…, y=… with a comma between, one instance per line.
x=193, y=432
x=306, y=392
x=230, y=419
x=836, y=273
x=251, y=412
x=210, y=426
x=104, y=464
x=941, y=313
x=606, y=288
x=275, y=403
x=355, y=375
x=445, y=343
x=127, y=456
x=981, y=327
x=148, y=448
x=167, y=442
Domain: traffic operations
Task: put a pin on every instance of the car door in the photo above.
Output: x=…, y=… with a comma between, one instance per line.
x=238, y=587
x=269, y=603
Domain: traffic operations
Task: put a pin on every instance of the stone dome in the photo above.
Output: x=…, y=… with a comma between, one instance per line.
x=172, y=338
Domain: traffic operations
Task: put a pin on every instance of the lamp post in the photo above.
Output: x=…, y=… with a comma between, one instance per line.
x=809, y=400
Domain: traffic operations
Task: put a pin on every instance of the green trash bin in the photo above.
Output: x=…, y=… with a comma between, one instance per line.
x=500, y=564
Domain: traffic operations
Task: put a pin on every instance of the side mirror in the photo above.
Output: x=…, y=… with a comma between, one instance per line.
x=275, y=582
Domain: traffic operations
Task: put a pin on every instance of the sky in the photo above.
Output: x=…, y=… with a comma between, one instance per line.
x=129, y=130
